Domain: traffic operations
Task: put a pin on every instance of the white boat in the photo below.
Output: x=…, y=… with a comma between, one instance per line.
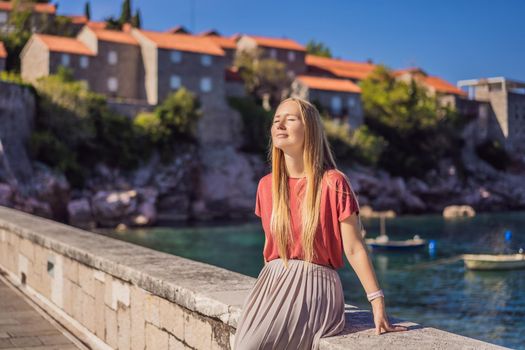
x=494, y=261
x=383, y=243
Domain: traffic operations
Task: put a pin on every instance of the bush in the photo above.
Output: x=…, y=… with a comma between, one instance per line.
x=75, y=130
x=173, y=122
x=350, y=146
x=492, y=152
x=256, y=124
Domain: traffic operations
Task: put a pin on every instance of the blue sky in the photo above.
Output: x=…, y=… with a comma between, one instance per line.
x=461, y=39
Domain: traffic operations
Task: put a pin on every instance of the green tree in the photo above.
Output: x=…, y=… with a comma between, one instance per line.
x=173, y=122
x=75, y=129
x=262, y=76
x=318, y=49
x=125, y=13
x=136, y=21
x=419, y=132
x=87, y=10
x=15, y=39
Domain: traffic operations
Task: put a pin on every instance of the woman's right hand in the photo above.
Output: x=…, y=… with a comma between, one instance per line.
x=381, y=319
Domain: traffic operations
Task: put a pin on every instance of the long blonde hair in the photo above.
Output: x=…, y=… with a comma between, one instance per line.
x=317, y=159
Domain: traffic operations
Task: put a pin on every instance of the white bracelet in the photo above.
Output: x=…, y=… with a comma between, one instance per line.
x=374, y=295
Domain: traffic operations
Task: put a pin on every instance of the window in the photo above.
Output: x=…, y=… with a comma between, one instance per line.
x=112, y=84
x=84, y=61
x=206, y=84
x=351, y=102
x=336, y=104
x=291, y=56
x=176, y=56
x=206, y=60
x=175, y=82
x=112, y=57
x=273, y=53
x=3, y=17
x=65, y=59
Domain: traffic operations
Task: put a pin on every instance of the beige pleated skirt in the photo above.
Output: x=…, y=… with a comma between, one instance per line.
x=291, y=308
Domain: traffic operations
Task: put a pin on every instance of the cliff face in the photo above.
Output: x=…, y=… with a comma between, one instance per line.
x=17, y=110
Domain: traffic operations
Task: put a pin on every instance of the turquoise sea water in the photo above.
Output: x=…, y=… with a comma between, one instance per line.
x=430, y=288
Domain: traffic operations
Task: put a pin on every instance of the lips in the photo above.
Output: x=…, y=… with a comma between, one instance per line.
x=281, y=135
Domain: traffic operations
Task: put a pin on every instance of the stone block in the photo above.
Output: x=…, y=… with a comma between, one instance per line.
x=111, y=334
x=155, y=338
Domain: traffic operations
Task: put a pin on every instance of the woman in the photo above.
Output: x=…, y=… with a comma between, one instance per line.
x=310, y=215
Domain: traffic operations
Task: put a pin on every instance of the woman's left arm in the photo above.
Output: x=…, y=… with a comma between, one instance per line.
x=357, y=254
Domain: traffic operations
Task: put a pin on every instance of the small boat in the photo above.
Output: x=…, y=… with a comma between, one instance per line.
x=383, y=243
x=494, y=261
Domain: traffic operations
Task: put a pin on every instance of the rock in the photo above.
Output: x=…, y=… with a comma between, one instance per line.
x=147, y=214
x=52, y=188
x=453, y=211
x=368, y=212
x=110, y=207
x=6, y=194
x=80, y=214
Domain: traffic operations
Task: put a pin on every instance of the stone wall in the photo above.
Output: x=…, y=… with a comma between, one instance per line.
x=116, y=295
x=17, y=109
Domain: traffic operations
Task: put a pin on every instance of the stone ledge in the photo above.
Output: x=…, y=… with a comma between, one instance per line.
x=208, y=290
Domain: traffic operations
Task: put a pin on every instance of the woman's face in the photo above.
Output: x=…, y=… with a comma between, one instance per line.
x=288, y=128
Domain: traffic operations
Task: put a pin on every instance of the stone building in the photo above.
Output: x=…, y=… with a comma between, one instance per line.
x=227, y=43
x=174, y=60
x=354, y=71
x=340, y=97
x=506, y=99
x=3, y=56
x=118, y=60
x=43, y=54
x=284, y=50
x=108, y=61
x=41, y=15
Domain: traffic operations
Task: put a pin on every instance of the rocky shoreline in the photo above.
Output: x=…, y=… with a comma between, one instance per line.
x=209, y=184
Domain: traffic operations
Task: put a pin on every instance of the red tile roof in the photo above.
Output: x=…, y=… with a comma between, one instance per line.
x=183, y=42
x=96, y=25
x=78, y=19
x=178, y=30
x=278, y=43
x=115, y=36
x=40, y=8
x=339, y=68
x=434, y=82
x=3, y=52
x=443, y=86
x=64, y=44
x=223, y=42
x=329, y=84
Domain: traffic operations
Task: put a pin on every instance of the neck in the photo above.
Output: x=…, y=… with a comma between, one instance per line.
x=294, y=165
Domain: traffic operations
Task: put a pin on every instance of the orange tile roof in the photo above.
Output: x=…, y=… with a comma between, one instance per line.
x=183, y=42
x=178, y=30
x=3, y=52
x=340, y=68
x=78, y=19
x=96, y=25
x=438, y=84
x=115, y=36
x=443, y=86
x=64, y=44
x=278, y=43
x=223, y=42
x=41, y=8
x=329, y=84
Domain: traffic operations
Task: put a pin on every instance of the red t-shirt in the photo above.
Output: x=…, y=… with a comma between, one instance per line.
x=335, y=207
